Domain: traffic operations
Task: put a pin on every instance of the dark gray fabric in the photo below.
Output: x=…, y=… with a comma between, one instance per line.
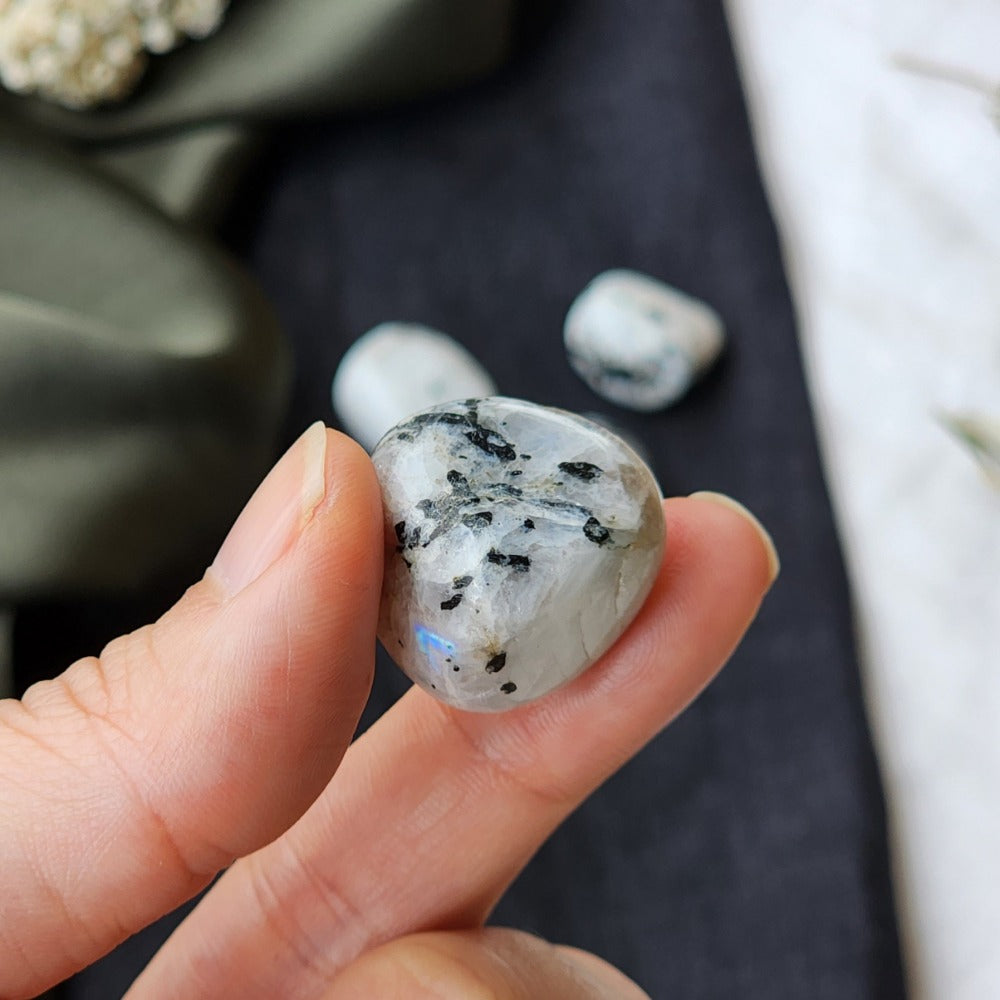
x=142, y=378
x=743, y=853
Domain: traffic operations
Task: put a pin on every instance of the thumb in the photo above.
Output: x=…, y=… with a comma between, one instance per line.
x=130, y=780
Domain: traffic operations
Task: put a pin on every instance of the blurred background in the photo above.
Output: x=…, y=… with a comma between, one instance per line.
x=181, y=273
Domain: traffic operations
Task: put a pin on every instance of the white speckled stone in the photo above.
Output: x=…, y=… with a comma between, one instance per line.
x=631, y=439
x=638, y=342
x=521, y=541
x=397, y=369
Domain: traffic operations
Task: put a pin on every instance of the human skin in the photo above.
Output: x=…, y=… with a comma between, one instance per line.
x=220, y=737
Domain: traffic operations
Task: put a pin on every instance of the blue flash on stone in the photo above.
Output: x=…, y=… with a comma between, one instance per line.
x=428, y=640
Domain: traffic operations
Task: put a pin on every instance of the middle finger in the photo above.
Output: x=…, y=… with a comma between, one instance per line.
x=433, y=812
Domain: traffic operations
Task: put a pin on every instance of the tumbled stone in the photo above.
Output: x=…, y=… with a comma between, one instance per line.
x=521, y=541
x=638, y=342
x=397, y=369
x=631, y=439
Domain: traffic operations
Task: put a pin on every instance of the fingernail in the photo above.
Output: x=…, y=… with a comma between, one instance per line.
x=773, y=562
x=277, y=512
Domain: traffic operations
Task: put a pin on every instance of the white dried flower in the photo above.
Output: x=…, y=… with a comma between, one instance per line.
x=70, y=34
x=159, y=35
x=969, y=79
x=197, y=18
x=84, y=52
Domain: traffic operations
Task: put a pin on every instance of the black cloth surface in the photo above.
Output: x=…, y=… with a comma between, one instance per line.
x=743, y=853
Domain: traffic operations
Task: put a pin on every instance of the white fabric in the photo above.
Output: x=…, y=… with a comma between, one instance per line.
x=886, y=186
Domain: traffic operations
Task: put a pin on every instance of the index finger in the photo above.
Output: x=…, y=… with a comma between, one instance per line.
x=435, y=811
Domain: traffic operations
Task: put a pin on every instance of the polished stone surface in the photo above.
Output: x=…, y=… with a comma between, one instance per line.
x=638, y=342
x=396, y=369
x=521, y=541
x=632, y=439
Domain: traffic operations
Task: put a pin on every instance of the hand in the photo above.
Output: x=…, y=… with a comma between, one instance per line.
x=219, y=736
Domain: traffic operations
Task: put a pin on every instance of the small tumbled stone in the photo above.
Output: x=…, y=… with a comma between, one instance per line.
x=397, y=369
x=638, y=342
x=521, y=541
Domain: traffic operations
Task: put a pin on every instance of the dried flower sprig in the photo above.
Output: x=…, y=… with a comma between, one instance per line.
x=84, y=52
x=968, y=79
x=981, y=435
